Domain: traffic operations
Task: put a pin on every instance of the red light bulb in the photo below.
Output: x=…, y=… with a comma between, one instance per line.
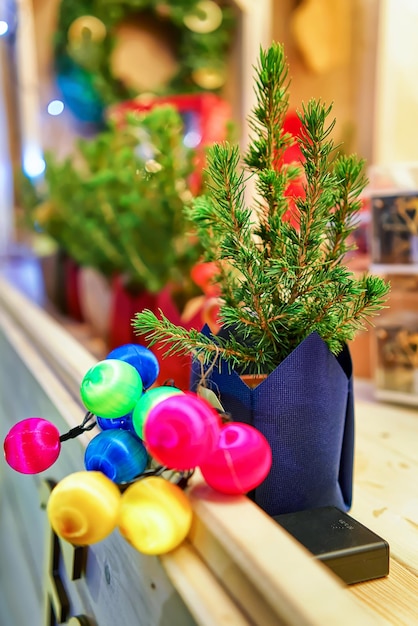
x=241, y=460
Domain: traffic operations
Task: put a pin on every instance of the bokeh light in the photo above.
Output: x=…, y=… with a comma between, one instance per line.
x=55, y=107
x=33, y=161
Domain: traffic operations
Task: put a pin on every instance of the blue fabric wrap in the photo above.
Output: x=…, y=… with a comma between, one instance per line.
x=305, y=409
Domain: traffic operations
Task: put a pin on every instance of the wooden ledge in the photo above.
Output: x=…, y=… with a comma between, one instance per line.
x=237, y=566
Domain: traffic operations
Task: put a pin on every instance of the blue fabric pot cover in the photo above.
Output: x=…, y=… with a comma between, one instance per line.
x=305, y=409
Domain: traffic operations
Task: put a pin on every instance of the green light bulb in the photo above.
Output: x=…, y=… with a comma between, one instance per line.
x=146, y=402
x=111, y=388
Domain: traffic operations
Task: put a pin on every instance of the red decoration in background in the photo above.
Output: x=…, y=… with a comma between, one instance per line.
x=175, y=366
x=293, y=126
x=203, y=275
x=205, y=114
x=125, y=305
x=293, y=154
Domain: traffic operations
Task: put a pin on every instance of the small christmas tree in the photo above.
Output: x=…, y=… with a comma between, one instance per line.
x=116, y=204
x=279, y=279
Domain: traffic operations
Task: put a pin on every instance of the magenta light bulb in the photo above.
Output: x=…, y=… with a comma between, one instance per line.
x=182, y=431
x=32, y=445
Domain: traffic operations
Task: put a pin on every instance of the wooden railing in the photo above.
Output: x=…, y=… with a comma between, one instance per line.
x=237, y=565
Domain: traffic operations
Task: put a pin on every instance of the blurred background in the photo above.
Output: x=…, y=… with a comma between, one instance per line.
x=94, y=171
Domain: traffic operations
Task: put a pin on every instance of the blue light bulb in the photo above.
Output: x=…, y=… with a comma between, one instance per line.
x=142, y=359
x=118, y=454
x=124, y=423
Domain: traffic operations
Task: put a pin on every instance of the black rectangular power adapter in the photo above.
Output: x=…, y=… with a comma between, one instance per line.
x=348, y=548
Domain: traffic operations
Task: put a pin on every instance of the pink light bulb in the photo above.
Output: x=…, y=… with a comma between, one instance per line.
x=241, y=460
x=181, y=431
x=32, y=445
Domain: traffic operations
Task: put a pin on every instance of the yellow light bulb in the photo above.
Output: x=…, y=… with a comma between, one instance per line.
x=155, y=515
x=83, y=507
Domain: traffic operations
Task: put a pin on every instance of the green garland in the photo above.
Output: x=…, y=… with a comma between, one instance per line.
x=196, y=51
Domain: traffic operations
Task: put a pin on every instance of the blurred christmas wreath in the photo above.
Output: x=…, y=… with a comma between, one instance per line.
x=87, y=36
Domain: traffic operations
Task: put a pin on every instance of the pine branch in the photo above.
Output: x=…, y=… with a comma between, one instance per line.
x=226, y=189
x=176, y=340
x=267, y=146
x=226, y=226
x=267, y=118
x=358, y=311
x=317, y=148
x=351, y=181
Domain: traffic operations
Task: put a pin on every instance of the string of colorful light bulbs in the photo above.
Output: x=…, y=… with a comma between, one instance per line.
x=146, y=430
